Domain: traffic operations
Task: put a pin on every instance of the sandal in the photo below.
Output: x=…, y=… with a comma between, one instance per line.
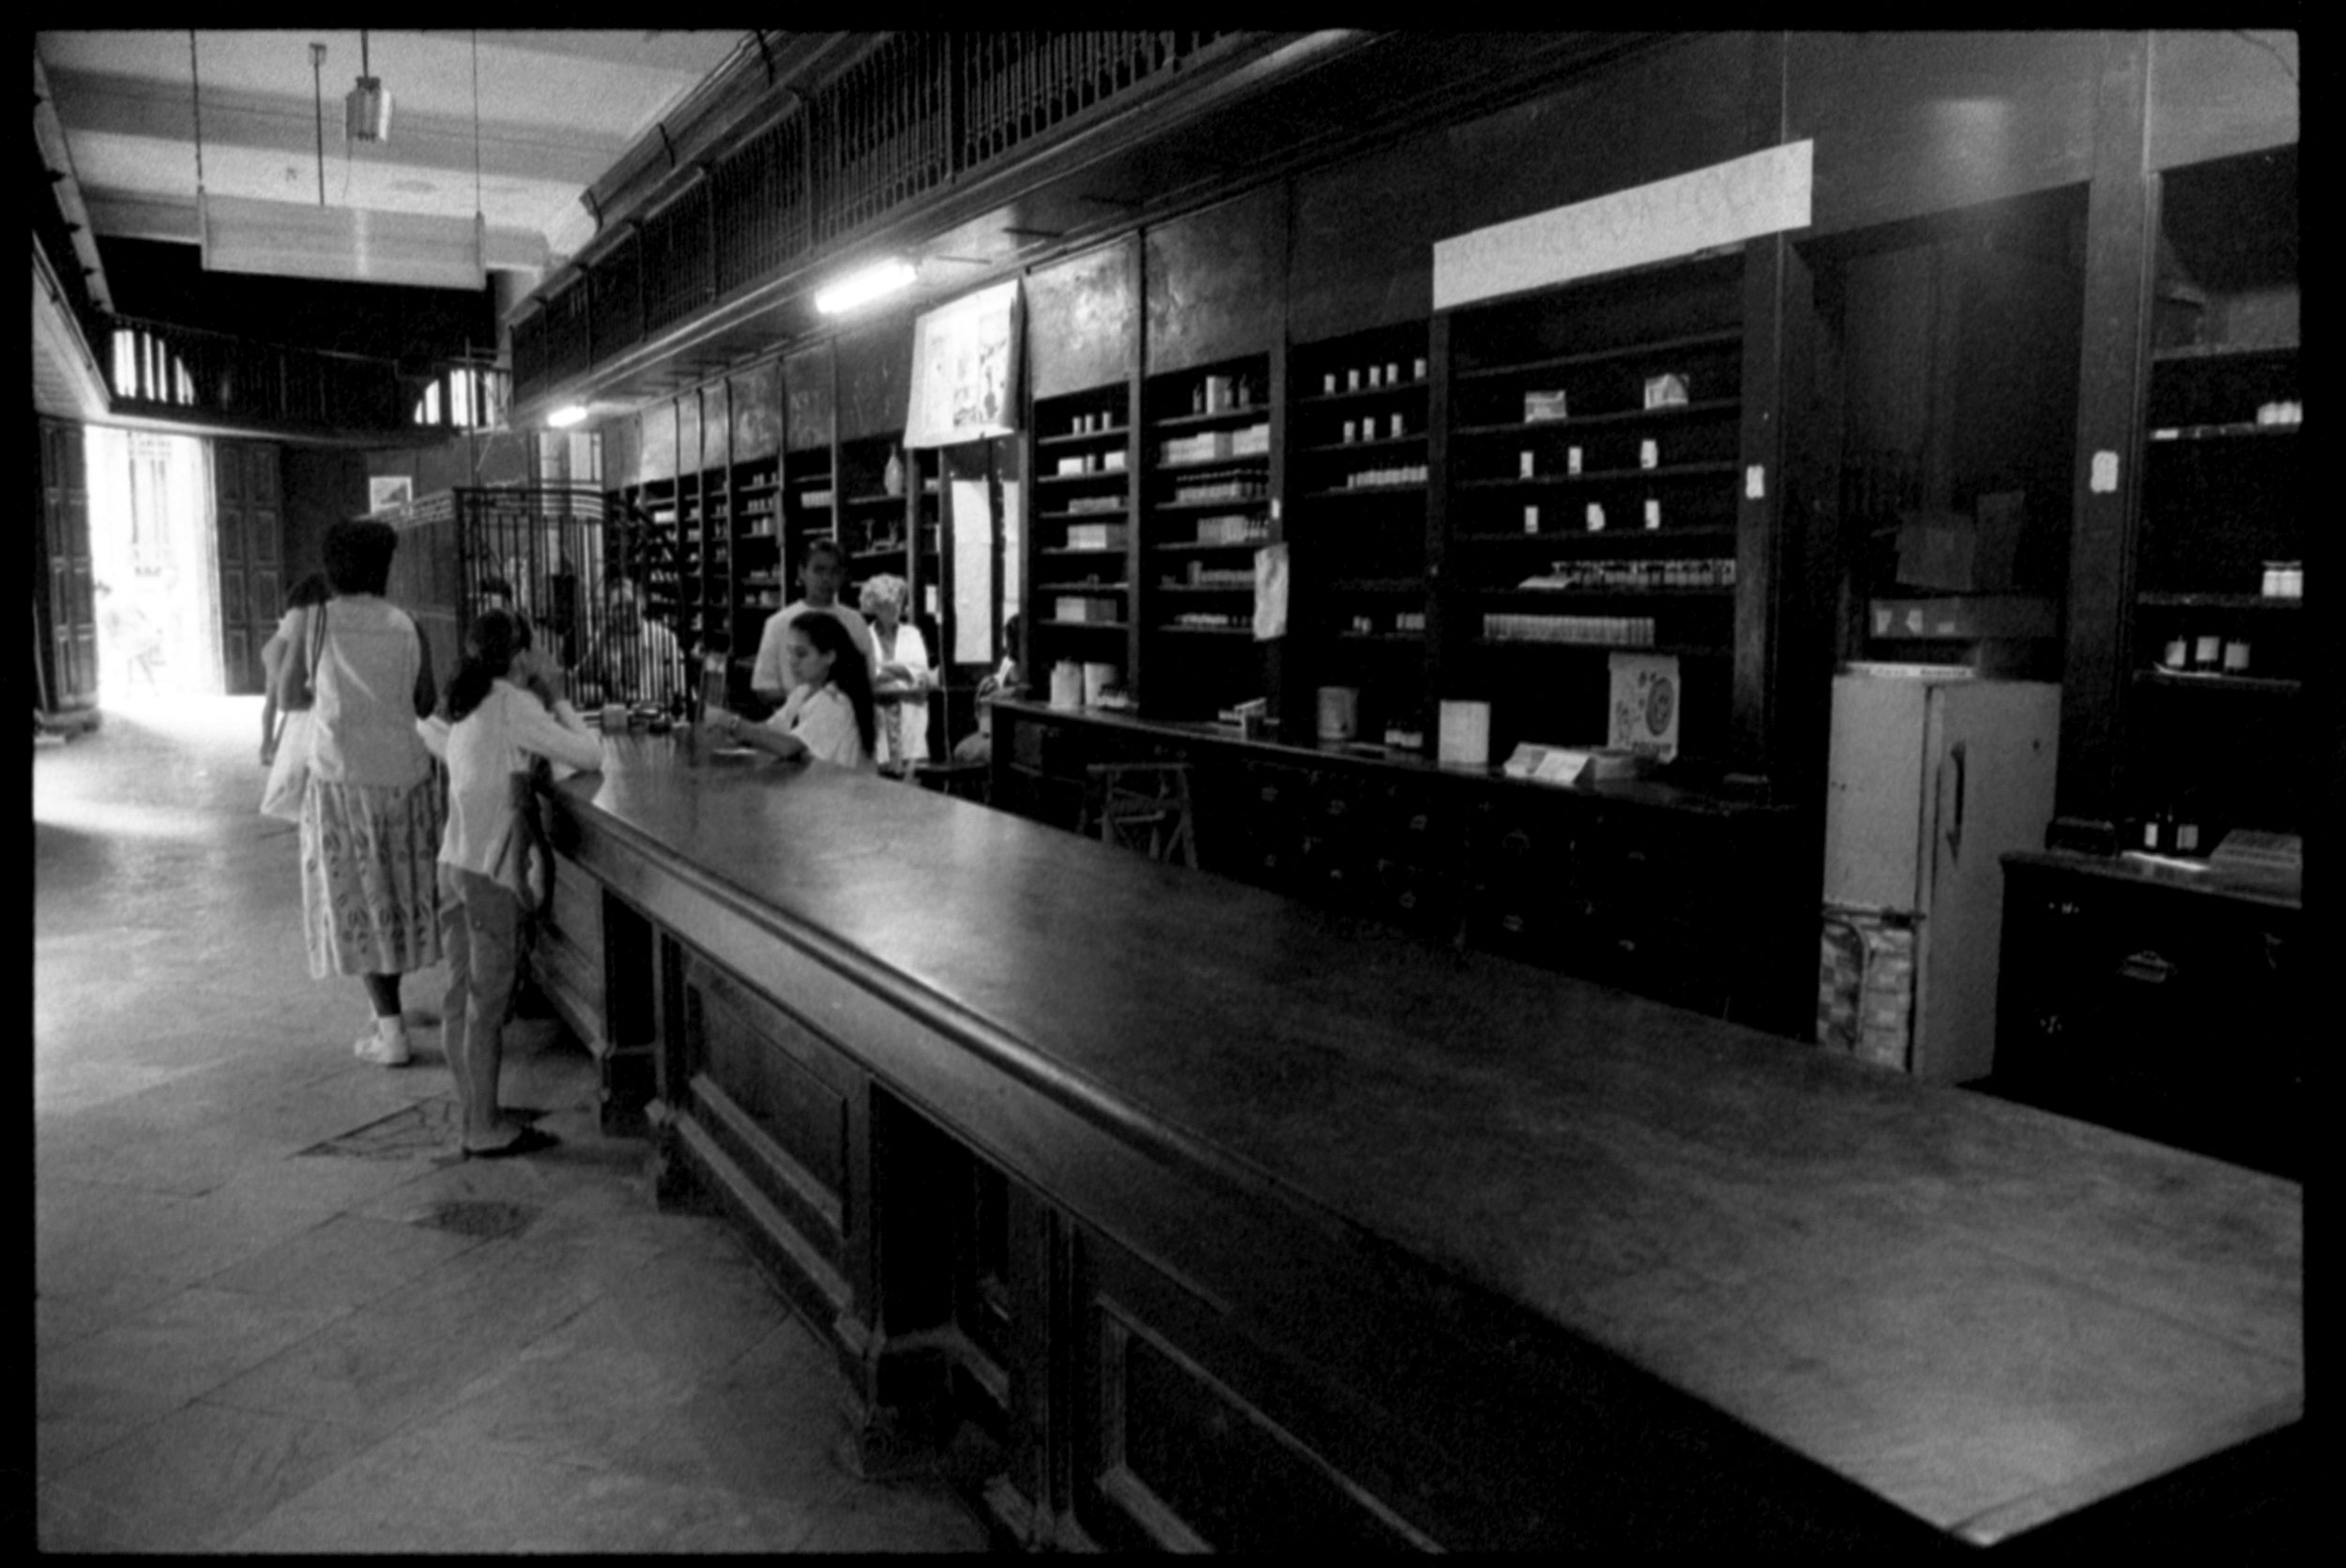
x=530, y=1140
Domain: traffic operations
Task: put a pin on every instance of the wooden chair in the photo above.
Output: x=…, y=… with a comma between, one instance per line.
x=1144, y=806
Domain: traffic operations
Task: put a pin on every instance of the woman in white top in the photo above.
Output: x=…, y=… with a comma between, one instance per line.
x=309, y=592
x=900, y=675
x=503, y=712
x=827, y=716
x=371, y=810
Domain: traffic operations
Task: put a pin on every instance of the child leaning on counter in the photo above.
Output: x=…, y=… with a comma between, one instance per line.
x=827, y=716
x=502, y=715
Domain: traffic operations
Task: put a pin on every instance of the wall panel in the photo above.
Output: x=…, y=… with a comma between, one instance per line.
x=2215, y=94
x=808, y=415
x=875, y=378
x=1913, y=123
x=1363, y=240
x=1217, y=282
x=1646, y=119
x=756, y=411
x=1086, y=321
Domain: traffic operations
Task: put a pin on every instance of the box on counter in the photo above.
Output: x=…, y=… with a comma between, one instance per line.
x=1569, y=765
x=1541, y=406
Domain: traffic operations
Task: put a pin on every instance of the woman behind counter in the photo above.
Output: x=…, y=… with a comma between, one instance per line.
x=900, y=675
x=829, y=715
x=371, y=815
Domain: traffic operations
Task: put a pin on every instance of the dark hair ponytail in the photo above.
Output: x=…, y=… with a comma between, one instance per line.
x=495, y=636
x=849, y=670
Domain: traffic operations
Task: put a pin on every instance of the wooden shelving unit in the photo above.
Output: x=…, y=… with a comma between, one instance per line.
x=1592, y=441
x=1083, y=463
x=1206, y=509
x=2219, y=741
x=1356, y=483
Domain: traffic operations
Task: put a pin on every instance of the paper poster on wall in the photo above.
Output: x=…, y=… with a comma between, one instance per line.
x=1644, y=711
x=386, y=491
x=1270, y=592
x=1014, y=530
x=964, y=370
x=973, y=571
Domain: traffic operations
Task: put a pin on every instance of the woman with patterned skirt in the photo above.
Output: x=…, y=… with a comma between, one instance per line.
x=372, y=816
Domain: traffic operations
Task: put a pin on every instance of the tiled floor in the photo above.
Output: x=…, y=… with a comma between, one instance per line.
x=274, y=1312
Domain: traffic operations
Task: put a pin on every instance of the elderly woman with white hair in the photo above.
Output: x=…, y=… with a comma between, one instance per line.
x=901, y=675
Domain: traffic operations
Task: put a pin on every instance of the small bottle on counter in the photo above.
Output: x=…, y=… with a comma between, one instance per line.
x=2185, y=829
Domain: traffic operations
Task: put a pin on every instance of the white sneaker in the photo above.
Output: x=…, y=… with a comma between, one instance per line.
x=370, y=1047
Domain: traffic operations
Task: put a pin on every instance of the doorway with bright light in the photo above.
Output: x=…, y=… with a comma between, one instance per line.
x=155, y=575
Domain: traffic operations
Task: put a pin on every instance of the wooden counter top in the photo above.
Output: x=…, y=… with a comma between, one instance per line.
x=1983, y=1314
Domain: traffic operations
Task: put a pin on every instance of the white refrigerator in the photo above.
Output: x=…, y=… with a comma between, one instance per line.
x=1934, y=777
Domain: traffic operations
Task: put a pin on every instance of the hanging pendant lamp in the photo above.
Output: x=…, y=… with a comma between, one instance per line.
x=368, y=103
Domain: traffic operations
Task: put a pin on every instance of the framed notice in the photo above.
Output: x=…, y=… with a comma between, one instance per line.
x=387, y=491
x=1644, y=716
x=964, y=370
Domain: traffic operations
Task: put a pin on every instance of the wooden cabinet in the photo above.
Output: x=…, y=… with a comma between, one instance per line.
x=2149, y=1000
x=1685, y=897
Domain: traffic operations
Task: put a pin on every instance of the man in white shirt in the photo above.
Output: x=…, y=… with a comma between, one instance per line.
x=819, y=579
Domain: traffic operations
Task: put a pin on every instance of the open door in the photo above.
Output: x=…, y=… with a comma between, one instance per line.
x=64, y=617
x=251, y=537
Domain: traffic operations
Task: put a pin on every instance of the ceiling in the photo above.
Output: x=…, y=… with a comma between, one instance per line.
x=555, y=111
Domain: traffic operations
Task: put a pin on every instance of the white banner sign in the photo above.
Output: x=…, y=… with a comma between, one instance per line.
x=1724, y=204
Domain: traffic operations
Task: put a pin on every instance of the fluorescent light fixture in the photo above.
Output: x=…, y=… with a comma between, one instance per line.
x=866, y=286
x=563, y=419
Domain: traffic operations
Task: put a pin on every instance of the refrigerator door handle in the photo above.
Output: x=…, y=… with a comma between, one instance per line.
x=1954, y=822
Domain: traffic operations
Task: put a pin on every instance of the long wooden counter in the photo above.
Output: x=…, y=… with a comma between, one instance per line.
x=1239, y=1225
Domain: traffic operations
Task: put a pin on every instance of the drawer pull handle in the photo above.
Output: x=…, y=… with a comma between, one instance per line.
x=2147, y=967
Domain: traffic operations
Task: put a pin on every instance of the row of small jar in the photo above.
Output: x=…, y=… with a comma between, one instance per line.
x=1370, y=378
x=2206, y=653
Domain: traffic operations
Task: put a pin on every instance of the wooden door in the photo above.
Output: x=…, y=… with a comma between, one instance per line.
x=251, y=531
x=66, y=632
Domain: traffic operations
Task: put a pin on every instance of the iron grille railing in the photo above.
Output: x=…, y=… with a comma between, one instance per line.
x=679, y=271
x=553, y=554
x=761, y=208
x=915, y=113
x=566, y=330
x=164, y=368
x=619, y=303
x=880, y=132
